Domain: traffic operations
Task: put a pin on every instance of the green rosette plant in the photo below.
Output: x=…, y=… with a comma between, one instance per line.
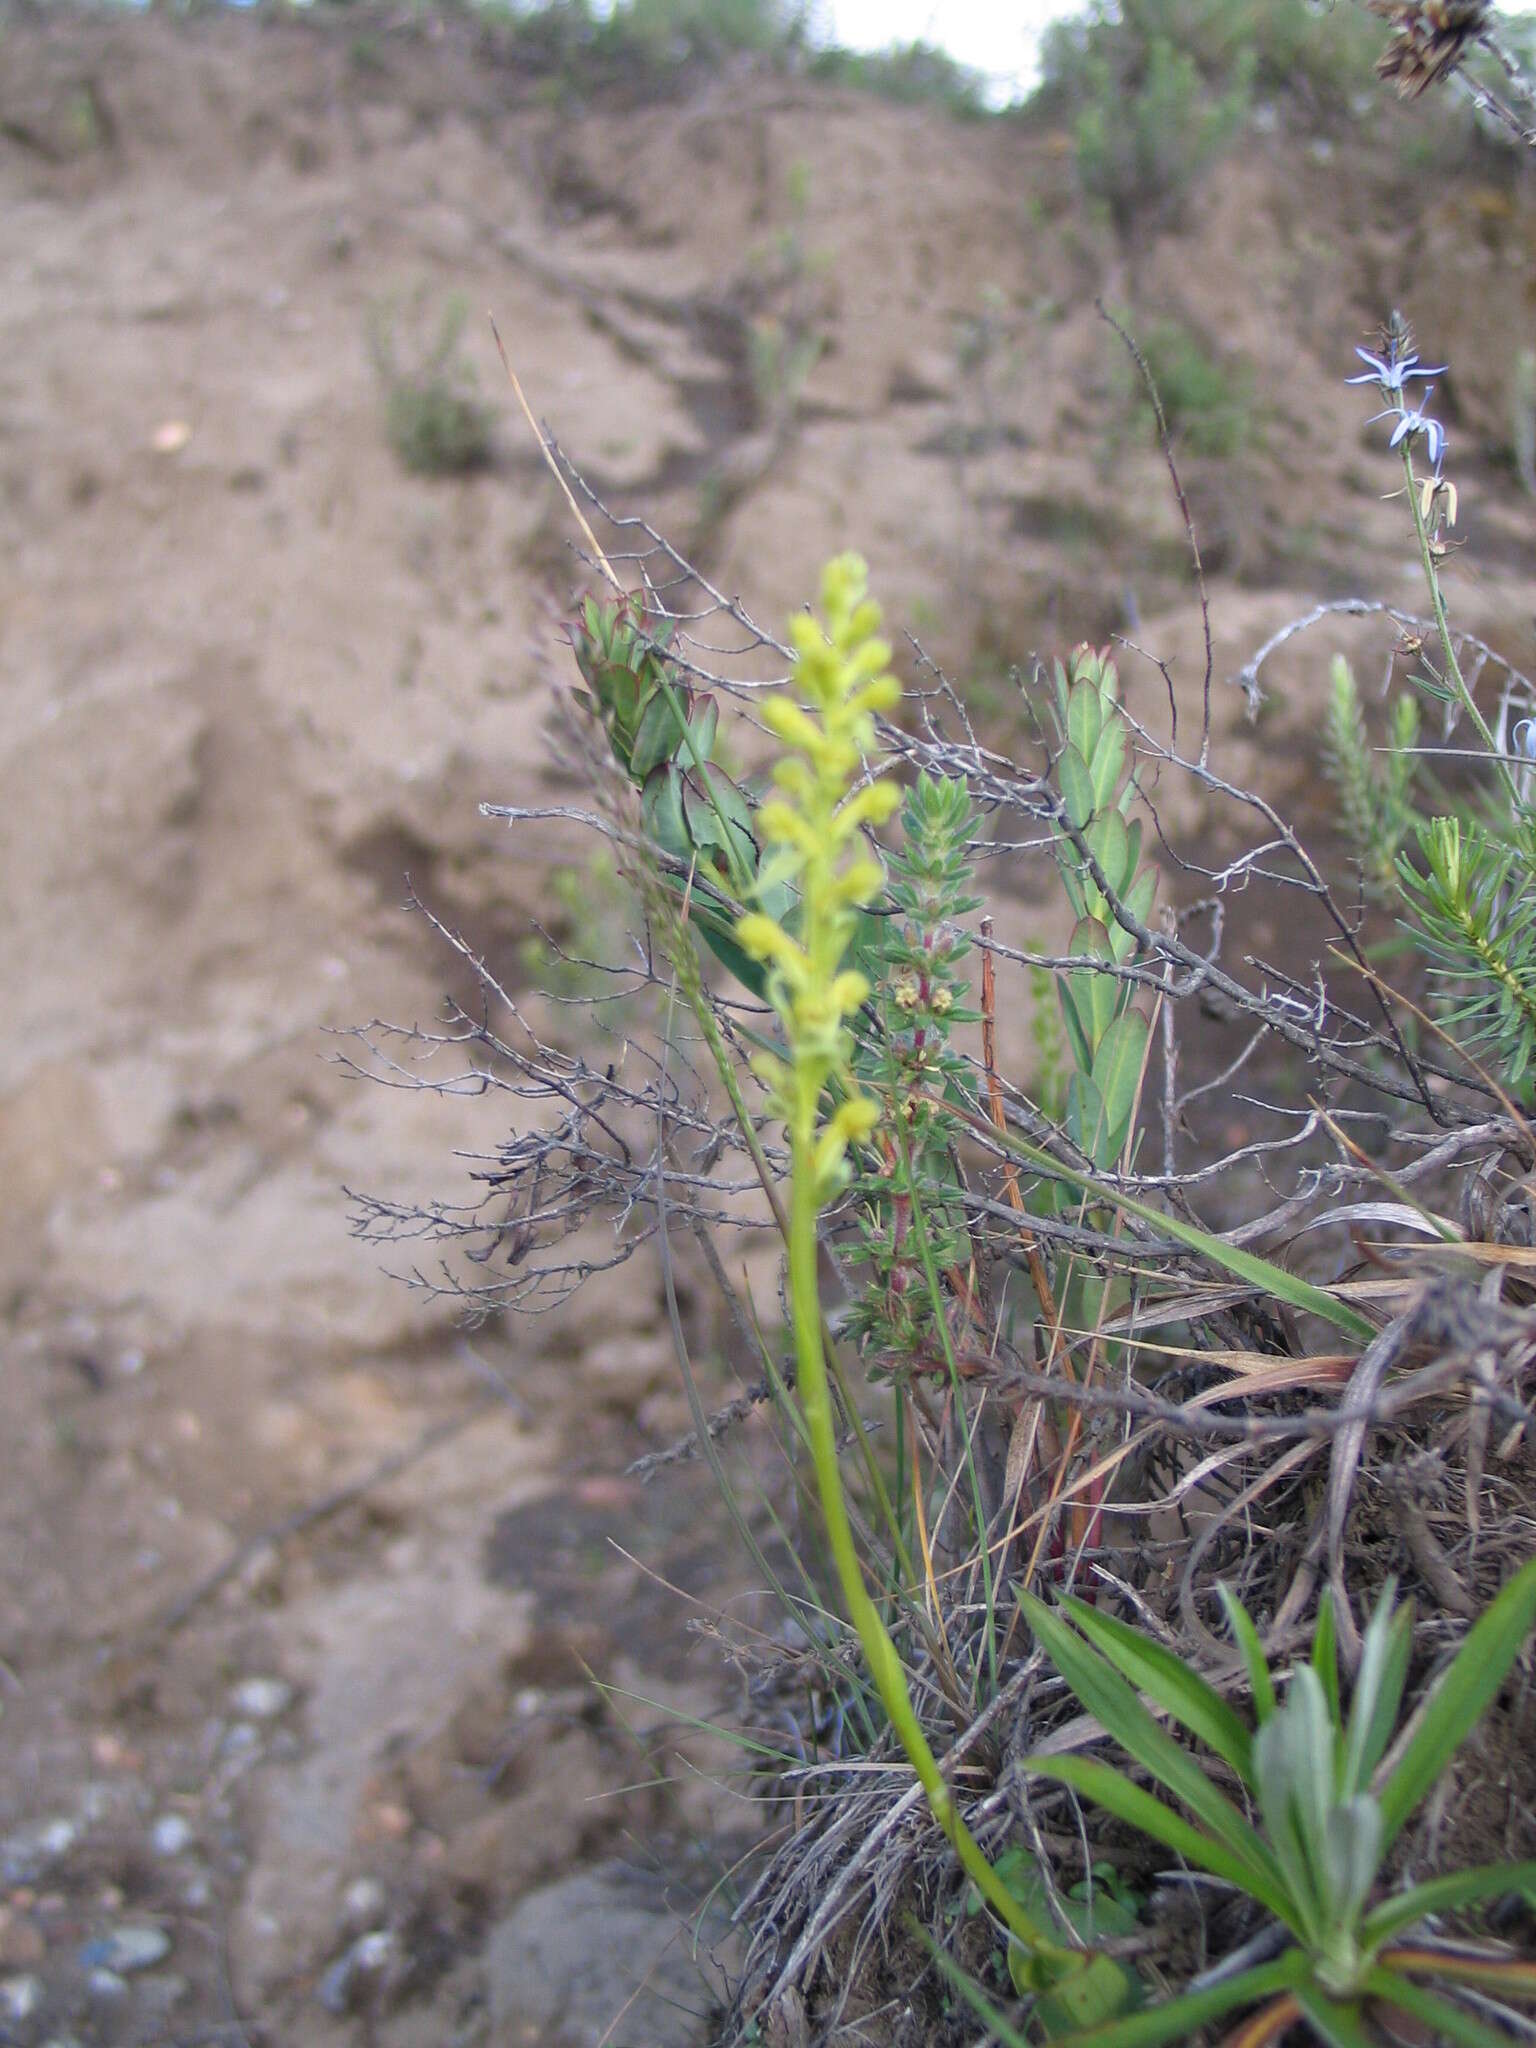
x=1331, y=1793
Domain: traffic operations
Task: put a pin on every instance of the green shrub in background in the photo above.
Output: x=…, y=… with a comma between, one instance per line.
x=433, y=419
x=1207, y=399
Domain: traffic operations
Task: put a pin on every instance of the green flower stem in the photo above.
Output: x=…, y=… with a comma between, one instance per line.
x=879, y=1650
x=816, y=826
x=941, y=1325
x=1443, y=627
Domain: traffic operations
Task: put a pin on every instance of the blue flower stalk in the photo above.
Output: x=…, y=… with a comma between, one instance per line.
x=816, y=827
x=1392, y=368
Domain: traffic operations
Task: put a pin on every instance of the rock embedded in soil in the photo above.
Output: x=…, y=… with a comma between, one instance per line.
x=565, y=1963
x=20, y=1997
x=344, y=1982
x=127, y=1949
x=262, y=1699
x=171, y=1833
x=27, y=1852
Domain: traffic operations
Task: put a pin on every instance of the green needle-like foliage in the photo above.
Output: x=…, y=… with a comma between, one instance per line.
x=1473, y=915
x=912, y=1192
x=1376, y=801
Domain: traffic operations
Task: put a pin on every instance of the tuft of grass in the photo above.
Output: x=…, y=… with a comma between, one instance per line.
x=1208, y=399
x=433, y=418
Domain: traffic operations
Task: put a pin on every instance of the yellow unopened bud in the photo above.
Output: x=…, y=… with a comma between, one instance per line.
x=786, y=720
x=848, y=991
x=871, y=805
x=883, y=694
x=765, y=940
x=858, y=882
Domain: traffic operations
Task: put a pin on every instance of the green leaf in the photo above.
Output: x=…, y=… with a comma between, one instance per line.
x=1181, y=2018
x=1373, y=1711
x=1076, y=786
x=1088, y=1997
x=1138, y=897
x=659, y=735
x=1260, y=1273
x=1117, y=1074
x=1096, y=991
x=1085, y=1118
x=1453, y=2022
x=1340, y=2025
x=1445, y=1895
x=1074, y=1019
x=1118, y=1711
x=1107, y=762
x=661, y=810
x=1132, y=1803
x=1459, y=1700
x=702, y=728
x=1085, y=718
x=1155, y=1670
x=1325, y=1654
x=1260, y=1684
x=1107, y=839
x=1132, y=855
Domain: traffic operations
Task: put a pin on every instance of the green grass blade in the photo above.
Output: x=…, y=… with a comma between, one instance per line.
x=1504, y=1976
x=1180, y=2018
x=1129, y=1802
x=1260, y=1684
x=1458, y=1702
x=1443, y=1895
x=1451, y=2022
x=1113, y=1704
x=1260, y=1273
x=1338, y=2024
x=1008, y=2035
x=1155, y=1670
x=1325, y=1654
x=1378, y=1692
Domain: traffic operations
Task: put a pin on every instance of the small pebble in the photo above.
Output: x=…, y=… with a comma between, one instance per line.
x=102, y=1983
x=170, y=1834
x=126, y=1949
x=27, y=1853
x=340, y=1985
x=20, y=1996
x=240, y=1739
x=363, y=1903
x=262, y=1699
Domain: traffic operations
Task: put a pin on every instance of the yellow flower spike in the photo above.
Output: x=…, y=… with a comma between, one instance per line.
x=786, y=826
x=767, y=940
x=858, y=883
x=849, y=990
x=872, y=805
x=882, y=694
x=840, y=677
x=786, y=721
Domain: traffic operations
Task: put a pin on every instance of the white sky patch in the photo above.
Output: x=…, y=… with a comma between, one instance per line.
x=999, y=38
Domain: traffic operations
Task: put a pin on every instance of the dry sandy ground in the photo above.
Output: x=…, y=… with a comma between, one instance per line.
x=296, y=1589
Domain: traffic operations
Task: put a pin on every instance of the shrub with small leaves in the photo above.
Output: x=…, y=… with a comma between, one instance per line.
x=433, y=419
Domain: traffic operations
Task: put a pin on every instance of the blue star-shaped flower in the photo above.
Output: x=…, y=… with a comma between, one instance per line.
x=1391, y=372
